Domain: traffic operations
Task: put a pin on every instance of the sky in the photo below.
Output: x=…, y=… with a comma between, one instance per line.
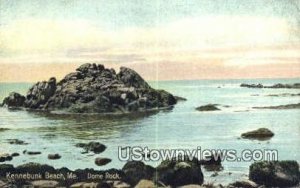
x=160, y=39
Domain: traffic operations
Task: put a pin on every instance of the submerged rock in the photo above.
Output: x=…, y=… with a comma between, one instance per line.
x=280, y=107
x=95, y=147
x=180, y=98
x=54, y=156
x=17, y=142
x=94, y=89
x=275, y=173
x=4, y=129
x=209, y=107
x=261, y=133
x=102, y=161
x=276, y=86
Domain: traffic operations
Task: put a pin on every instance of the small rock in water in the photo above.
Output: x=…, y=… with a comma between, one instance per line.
x=15, y=154
x=16, y=142
x=3, y=129
x=209, y=107
x=102, y=161
x=33, y=152
x=95, y=147
x=54, y=156
x=261, y=134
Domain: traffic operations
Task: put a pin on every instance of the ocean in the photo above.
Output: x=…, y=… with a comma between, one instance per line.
x=181, y=127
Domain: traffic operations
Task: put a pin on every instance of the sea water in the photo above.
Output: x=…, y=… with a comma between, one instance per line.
x=182, y=127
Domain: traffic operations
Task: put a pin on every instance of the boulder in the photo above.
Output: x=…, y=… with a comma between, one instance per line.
x=95, y=147
x=275, y=173
x=179, y=172
x=209, y=107
x=54, y=156
x=102, y=161
x=14, y=100
x=136, y=171
x=261, y=133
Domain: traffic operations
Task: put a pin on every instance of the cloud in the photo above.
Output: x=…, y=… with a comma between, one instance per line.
x=217, y=43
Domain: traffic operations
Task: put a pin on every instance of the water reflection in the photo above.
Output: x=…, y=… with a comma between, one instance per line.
x=89, y=126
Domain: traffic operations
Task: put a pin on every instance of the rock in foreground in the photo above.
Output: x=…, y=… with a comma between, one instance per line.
x=93, y=89
x=261, y=133
x=275, y=173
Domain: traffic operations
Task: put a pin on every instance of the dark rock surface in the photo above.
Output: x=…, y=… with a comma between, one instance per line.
x=8, y=157
x=275, y=173
x=136, y=171
x=14, y=100
x=95, y=147
x=209, y=107
x=280, y=107
x=54, y=156
x=276, y=86
x=284, y=95
x=261, y=133
x=4, y=129
x=93, y=89
x=17, y=142
x=102, y=161
x=179, y=172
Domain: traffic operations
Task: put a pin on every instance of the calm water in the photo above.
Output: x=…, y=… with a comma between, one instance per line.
x=181, y=127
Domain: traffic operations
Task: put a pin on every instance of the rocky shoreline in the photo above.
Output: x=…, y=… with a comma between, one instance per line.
x=170, y=173
x=93, y=89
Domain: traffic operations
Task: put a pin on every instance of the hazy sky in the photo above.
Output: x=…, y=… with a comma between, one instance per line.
x=161, y=39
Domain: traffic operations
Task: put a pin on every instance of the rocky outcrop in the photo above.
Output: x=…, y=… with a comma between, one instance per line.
x=14, y=100
x=209, y=107
x=275, y=173
x=261, y=133
x=93, y=89
x=281, y=107
x=276, y=86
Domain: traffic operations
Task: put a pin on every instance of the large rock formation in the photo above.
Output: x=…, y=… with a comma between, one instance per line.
x=93, y=89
